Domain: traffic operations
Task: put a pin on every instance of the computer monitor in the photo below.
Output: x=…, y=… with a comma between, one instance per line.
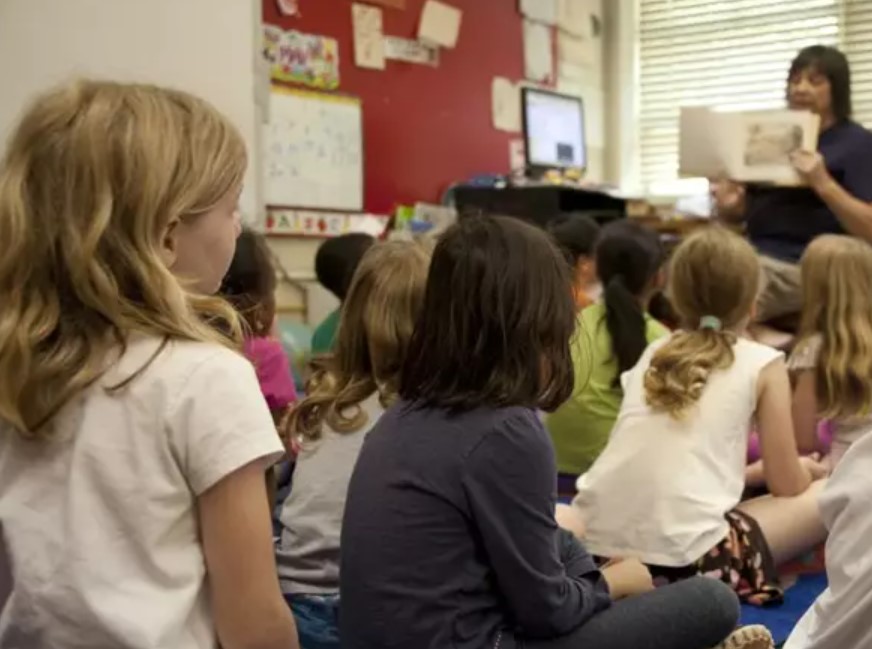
x=554, y=134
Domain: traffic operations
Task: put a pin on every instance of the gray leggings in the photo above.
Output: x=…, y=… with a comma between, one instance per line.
x=695, y=614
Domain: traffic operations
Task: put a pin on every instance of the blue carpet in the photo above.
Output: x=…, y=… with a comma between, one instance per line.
x=780, y=620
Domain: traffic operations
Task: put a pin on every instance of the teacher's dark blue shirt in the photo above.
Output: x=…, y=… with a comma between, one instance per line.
x=782, y=221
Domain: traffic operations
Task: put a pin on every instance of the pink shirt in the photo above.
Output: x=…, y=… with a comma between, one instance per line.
x=273, y=371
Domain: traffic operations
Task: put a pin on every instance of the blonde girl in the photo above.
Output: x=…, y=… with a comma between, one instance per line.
x=346, y=398
x=133, y=435
x=832, y=362
x=667, y=488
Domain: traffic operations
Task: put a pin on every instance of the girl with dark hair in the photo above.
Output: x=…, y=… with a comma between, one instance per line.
x=782, y=221
x=611, y=337
x=250, y=286
x=576, y=234
x=449, y=537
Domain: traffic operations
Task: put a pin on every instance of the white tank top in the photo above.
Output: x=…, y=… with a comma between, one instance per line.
x=661, y=488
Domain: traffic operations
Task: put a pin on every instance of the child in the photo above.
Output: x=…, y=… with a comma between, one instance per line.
x=343, y=403
x=611, y=337
x=133, y=438
x=449, y=537
x=335, y=263
x=666, y=489
x=840, y=617
x=832, y=362
x=576, y=235
x=250, y=285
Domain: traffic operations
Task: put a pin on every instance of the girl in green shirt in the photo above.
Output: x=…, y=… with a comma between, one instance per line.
x=610, y=337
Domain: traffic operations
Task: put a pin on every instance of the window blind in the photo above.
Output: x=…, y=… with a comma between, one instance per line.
x=856, y=42
x=734, y=54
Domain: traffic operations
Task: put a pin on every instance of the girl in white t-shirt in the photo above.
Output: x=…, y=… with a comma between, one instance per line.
x=668, y=486
x=133, y=435
x=832, y=362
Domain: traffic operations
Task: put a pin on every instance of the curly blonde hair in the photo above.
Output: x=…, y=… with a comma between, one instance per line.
x=714, y=273
x=837, y=306
x=93, y=177
x=378, y=318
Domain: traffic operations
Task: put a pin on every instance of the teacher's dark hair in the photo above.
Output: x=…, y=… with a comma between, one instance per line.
x=832, y=64
x=628, y=258
x=497, y=319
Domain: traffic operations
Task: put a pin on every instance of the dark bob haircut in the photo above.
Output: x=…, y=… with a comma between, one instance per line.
x=832, y=64
x=337, y=259
x=576, y=234
x=496, y=323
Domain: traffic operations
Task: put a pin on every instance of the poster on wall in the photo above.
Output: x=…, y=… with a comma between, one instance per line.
x=410, y=51
x=306, y=59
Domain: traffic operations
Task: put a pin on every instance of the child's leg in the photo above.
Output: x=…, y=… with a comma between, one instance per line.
x=791, y=526
x=695, y=614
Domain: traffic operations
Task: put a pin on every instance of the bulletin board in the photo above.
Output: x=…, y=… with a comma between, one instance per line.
x=423, y=127
x=313, y=151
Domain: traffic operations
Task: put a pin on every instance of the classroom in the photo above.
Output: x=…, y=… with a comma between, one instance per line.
x=429, y=324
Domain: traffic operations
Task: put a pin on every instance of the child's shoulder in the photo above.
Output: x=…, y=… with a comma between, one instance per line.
x=155, y=360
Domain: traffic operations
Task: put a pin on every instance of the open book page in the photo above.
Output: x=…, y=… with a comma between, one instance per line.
x=752, y=147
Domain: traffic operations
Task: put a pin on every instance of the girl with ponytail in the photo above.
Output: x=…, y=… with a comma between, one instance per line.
x=610, y=338
x=667, y=488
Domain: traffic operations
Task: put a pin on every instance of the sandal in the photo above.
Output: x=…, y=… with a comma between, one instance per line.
x=749, y=637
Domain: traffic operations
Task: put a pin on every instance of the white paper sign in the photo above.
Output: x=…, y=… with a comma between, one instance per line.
x=410, y=51
x=538, y=52
x=369, y=45
x=440, y=24
x=506, y=105
x=576, y=51
x=574, y=16
x=517, y=155
x=542, y=11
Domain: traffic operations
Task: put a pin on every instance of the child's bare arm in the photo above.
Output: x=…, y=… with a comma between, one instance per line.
x=247, y=603
x=785, y=476
x=805, y=412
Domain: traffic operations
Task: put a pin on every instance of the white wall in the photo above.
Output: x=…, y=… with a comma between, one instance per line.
x=206, y=47
x=621, y=77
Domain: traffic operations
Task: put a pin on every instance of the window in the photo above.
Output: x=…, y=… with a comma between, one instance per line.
x=733, y=54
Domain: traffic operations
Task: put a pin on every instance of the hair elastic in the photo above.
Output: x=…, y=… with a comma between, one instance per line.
x=711, y=322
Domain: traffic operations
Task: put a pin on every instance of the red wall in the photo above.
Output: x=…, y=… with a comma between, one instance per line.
x=424, y=127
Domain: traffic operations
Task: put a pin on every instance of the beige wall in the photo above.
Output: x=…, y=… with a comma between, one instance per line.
x=206, y=47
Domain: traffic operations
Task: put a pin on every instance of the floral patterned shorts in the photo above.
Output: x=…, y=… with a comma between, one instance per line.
x=742, y=561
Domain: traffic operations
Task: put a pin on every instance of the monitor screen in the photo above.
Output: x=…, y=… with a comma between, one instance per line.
x=554, y=130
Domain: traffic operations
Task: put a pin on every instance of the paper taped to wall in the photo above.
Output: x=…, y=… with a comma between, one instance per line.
x=410, y=51
x=313, y=151
x=440, y=24
x=542, y=11
x=506, y=105
x=538, y=52
x=369, y=43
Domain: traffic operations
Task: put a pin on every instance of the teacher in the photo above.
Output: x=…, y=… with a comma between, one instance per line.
x=837, y=198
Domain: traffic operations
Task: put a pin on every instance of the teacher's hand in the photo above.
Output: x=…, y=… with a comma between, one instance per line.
x=728, y=197
x=811, y=168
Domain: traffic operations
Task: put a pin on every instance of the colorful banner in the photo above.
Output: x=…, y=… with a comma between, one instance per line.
x=305, y=59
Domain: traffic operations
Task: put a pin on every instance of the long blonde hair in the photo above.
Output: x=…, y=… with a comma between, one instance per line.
x=714, y=274
x=837, y=306
x=378, y=317
x=91, y=180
